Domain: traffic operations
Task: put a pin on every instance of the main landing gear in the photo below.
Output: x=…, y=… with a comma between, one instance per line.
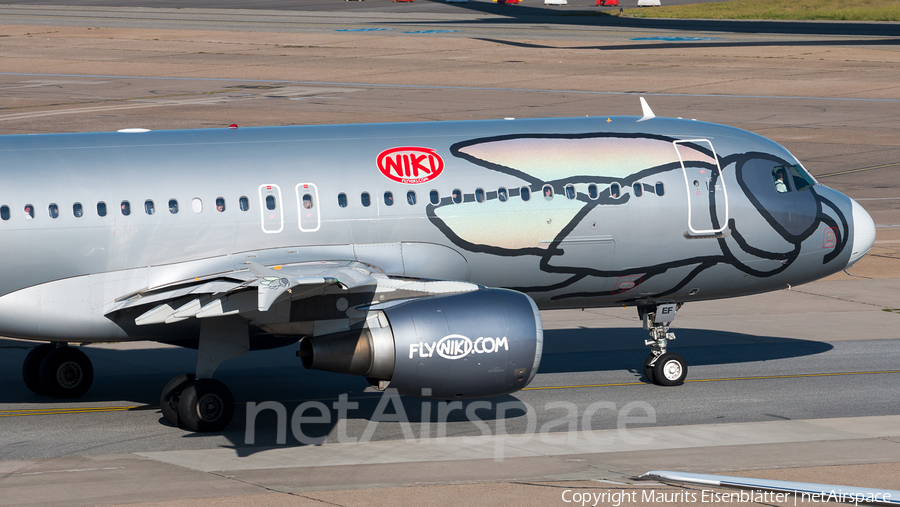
x=198, y=402
x=57, y=370
x=660, y=367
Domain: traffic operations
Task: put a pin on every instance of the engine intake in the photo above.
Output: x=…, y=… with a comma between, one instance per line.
x=470, y=345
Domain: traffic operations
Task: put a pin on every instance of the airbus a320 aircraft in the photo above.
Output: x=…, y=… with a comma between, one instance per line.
x=416, y=255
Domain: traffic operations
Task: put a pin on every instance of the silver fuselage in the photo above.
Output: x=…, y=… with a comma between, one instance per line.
x=60, y=275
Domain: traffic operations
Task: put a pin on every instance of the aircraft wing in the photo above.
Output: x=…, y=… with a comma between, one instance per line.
x=254, y=290
x=241, y=291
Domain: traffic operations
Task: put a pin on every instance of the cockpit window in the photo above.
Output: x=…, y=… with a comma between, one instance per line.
x=802, y=179
x=779, y=176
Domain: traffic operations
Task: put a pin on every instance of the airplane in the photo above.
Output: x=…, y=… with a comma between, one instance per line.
x=416, y=255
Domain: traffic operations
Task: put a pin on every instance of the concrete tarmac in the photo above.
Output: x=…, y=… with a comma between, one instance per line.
x=831, y=98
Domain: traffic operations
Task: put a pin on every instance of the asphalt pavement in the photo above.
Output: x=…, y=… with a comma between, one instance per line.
x=797, y=384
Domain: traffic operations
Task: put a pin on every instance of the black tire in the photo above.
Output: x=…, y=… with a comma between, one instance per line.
x=31, y=368
x=670, y=370
x=648, y=370
x=171, y=395
x=66, y=372
x=206, y=405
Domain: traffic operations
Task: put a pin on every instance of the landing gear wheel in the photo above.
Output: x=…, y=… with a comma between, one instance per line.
x=66, y=372
x=171, y=394
x=31, y=368
x=670, y=370
x=206, y=405
x=648, y=370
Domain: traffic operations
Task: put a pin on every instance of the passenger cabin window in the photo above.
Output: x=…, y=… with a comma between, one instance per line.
x=592, y=191
x=435, y=197
x=638, y=189
x=126, y=208
x=101, y=209
x=270, y=202
x=479, y=195
x=570, y=191
x=173, y=206
x=29, y=211
x=502, y=194
x=244, y=203
x=525, y=193
x=54, y=211
x=342, y=200
x=77, y=210
x=4, y=212
x=615, y=191
x=411, y=198
x=548, y=192
x=149, y=207
x=365, y=199
x=220, y=204
x=457, y=196
x=388, y=199
x=196, y=205
x=660, y=188
x=307, y=201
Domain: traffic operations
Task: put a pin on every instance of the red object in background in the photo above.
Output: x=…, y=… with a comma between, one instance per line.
x=608, y=3
x=233, y=126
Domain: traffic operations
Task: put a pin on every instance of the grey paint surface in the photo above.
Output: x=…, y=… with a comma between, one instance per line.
x=142, y=251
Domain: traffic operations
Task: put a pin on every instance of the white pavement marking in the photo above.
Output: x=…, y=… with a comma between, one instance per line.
x=549, y=444
x=218, y=98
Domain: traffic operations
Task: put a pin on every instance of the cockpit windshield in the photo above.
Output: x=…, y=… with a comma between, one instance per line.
x=802, y=179
x=793, y=177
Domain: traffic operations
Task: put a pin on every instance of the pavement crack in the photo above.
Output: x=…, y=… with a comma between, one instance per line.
x=273, y=490
x=317, y=499
x=836, y=298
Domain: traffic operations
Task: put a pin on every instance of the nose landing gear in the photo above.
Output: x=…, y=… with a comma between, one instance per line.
x=661, y=367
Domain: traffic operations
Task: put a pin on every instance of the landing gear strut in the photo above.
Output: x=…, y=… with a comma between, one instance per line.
x=199, y=402
x=660, y=367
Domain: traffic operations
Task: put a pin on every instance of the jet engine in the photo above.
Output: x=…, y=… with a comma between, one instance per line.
x=477, y=344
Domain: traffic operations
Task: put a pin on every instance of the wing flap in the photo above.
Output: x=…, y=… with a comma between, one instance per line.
x=256, y=288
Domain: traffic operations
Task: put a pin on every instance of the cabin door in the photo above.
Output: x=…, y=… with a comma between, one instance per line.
x=706, y=196
x=271, y=208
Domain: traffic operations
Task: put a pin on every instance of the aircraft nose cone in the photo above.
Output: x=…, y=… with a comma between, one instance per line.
x=863, y=233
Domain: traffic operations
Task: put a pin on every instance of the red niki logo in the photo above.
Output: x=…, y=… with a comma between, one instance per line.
x=411, y=165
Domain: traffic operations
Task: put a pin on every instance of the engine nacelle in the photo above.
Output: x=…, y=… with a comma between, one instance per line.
x=468, y=345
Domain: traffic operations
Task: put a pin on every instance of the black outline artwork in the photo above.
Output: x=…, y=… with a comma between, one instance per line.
x=735, y=162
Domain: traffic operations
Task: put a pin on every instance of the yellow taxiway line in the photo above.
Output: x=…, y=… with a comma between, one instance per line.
x=762, y=377
x=851, y=171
